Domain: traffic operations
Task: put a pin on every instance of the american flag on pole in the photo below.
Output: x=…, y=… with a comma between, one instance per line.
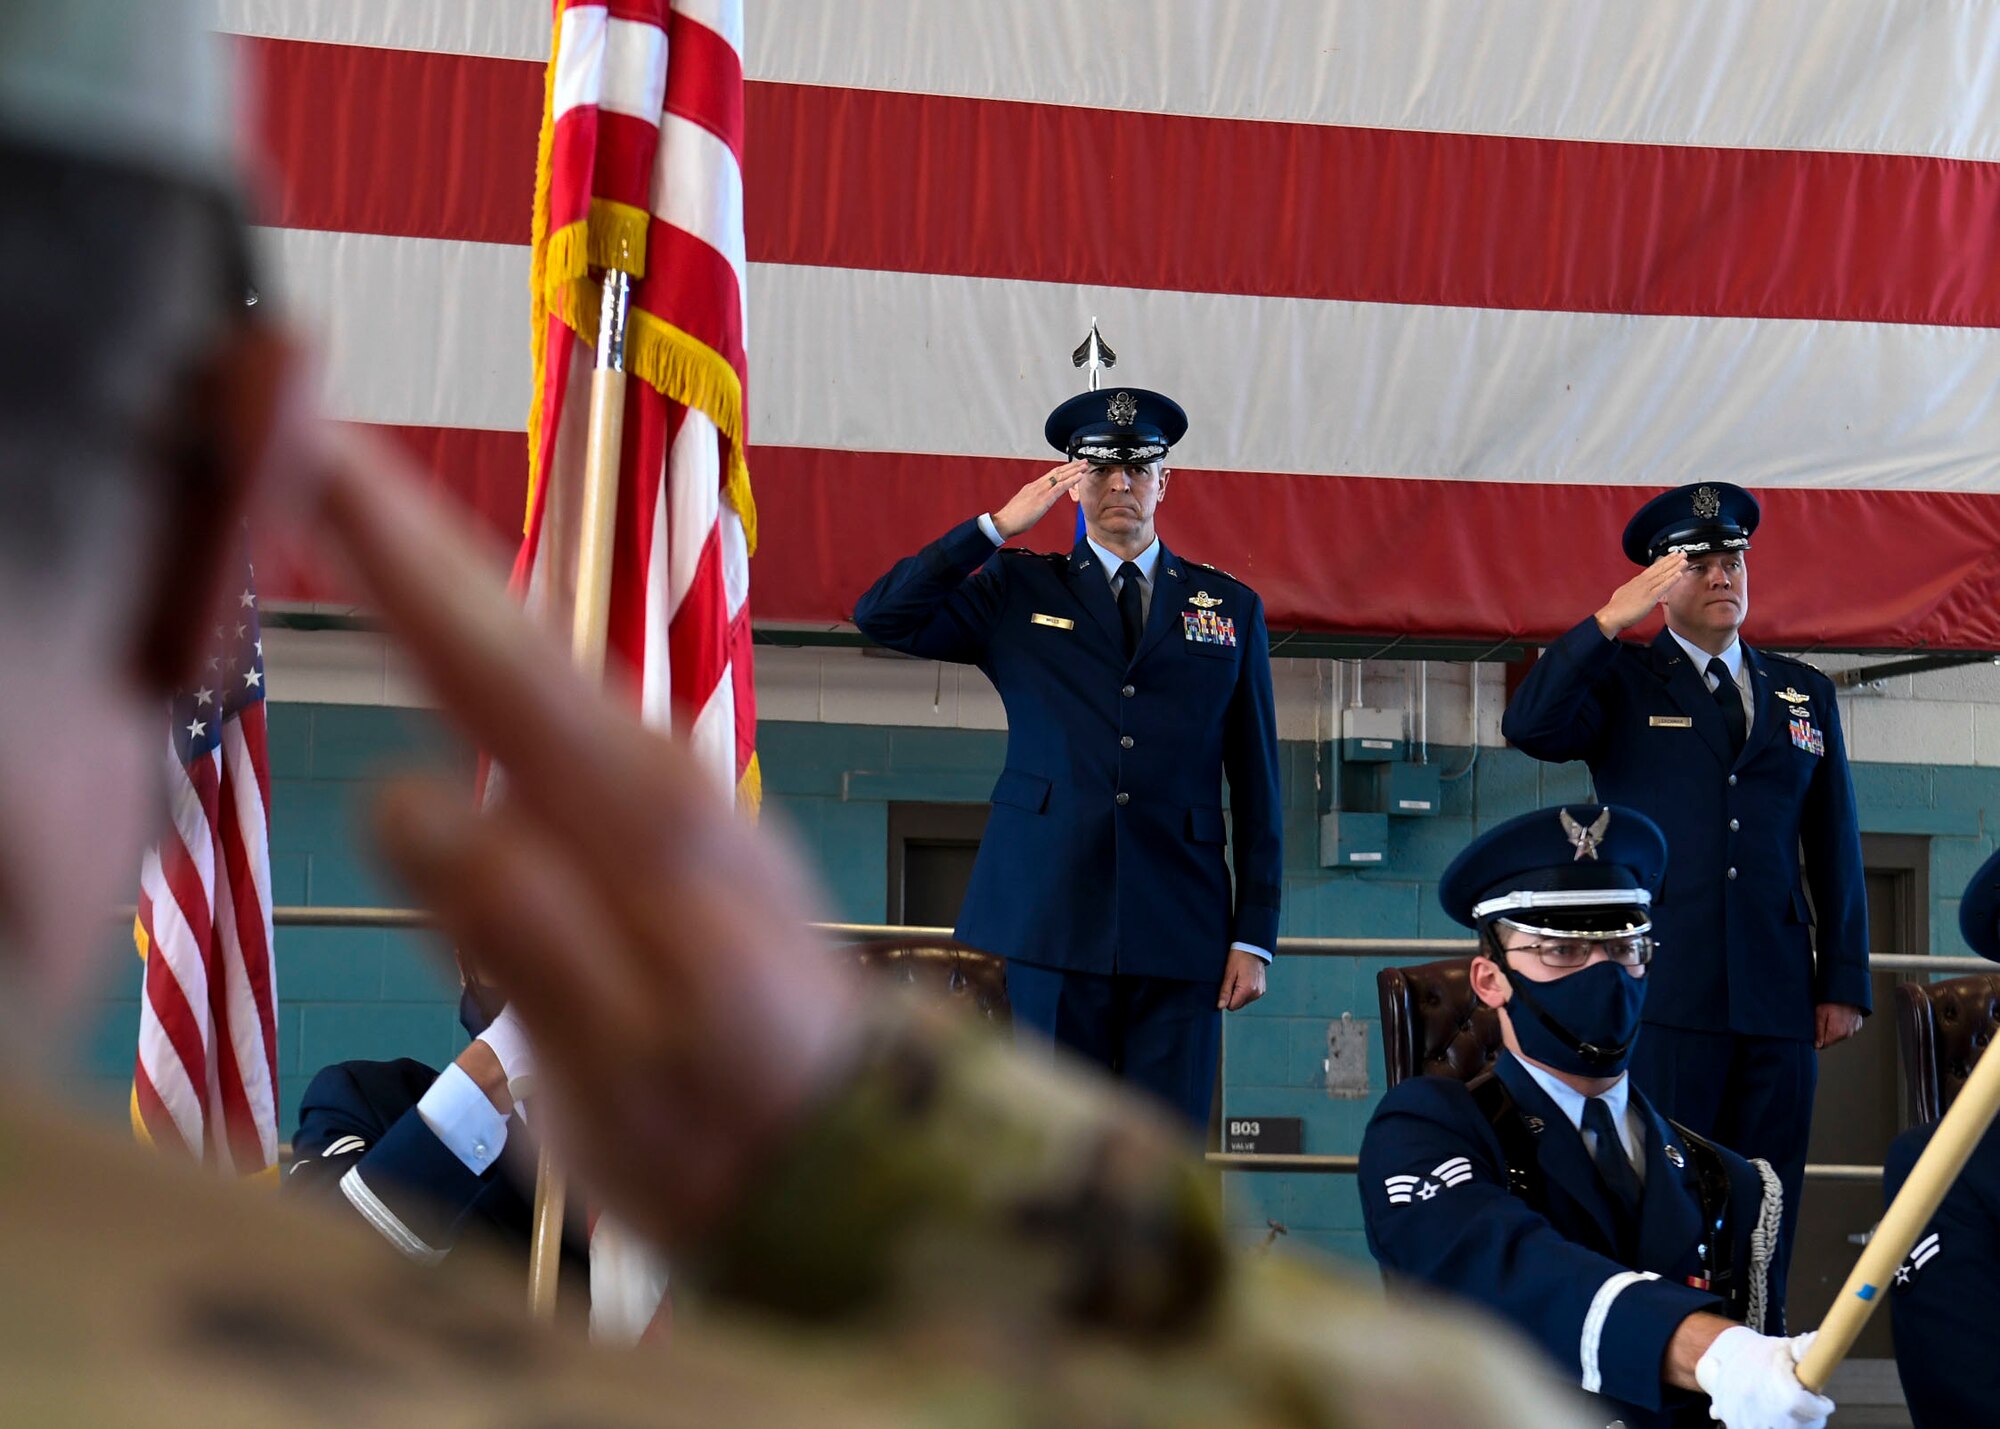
x=1448, y=287
x=640, y=168
x=205, y=1084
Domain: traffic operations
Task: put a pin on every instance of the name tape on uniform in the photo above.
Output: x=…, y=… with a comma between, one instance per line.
x=1054, y=622
x=1670, y=722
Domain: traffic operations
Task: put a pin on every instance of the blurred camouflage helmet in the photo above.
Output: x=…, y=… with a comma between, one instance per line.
x=138, y=83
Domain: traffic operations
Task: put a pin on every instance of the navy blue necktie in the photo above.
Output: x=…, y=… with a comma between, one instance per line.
x=1131, y=613
x=1612, y=1164
x=1729, y=699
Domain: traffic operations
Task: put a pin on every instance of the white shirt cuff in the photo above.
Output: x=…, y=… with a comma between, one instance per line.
x=460, y=1116
x=992, y=531
x=1252, y=948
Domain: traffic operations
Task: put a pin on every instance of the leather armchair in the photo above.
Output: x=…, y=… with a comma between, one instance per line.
x=940, y=971
x=1432, y=1025
x=1942, y=1027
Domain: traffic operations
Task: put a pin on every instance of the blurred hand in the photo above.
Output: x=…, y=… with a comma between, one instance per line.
x=1242, y=981
x=654, y=945
x=1634, y=601
x=1835, y=1022
x=1032, y=502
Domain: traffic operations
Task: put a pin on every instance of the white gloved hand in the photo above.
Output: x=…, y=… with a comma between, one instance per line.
x=508, y=1041
x=1752, y=1382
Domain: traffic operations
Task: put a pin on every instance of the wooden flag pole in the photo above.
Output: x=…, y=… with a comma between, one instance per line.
x=1950, y=1145
x=590, y=618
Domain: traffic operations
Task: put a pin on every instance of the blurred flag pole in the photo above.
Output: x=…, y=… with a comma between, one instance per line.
x=590, y=619
x=1954, y=1141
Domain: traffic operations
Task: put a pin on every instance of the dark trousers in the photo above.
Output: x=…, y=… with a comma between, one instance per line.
x=1161, y=1035
x=1753, y=1095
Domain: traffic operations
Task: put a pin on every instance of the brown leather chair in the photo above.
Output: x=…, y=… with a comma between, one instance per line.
x=942, y=971
x=1432, y=1025
x=1942, y=1027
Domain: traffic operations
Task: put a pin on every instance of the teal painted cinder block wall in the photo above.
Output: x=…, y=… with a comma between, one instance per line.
x=346, y=993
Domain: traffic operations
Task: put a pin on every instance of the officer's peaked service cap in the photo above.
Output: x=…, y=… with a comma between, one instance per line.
x=1979, y=910
x=1705, y=517
x=1567, y=871
x=1118, y=426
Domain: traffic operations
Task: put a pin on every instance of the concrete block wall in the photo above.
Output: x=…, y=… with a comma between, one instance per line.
x=845, y=735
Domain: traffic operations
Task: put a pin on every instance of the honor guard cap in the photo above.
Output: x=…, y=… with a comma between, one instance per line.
x=1578, y=870
x=1708, y=516
x=1979, y=910
x=1116, y=426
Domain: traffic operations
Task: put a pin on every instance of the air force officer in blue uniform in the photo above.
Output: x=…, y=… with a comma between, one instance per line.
x=1737, y=753
x=1134, y=680
x=1640, y=1257
x=1945, y=1298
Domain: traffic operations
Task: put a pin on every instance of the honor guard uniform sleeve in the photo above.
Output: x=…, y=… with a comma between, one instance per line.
x=1438, y=1212
x=1830, y=839
x=360, y=1132
x=1558, y=713
x=1945, y=1296
x=935, y=604
x=1256, y=797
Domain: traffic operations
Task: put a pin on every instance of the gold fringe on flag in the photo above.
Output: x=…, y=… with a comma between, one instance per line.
x=750, y=789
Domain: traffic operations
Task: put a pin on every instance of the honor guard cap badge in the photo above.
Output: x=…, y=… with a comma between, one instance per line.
x=1569, y=872
x=1585, y=840
x=1204, y=601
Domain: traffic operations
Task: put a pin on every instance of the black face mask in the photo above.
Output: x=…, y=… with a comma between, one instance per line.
x=1583, y=1024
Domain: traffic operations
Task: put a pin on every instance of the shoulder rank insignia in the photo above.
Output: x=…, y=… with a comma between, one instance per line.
x=1202, y=600
x=1921, y=1254
x=1675, y=1158
x=1404, y=1189
x=1533, y=1123
x=1792, y=697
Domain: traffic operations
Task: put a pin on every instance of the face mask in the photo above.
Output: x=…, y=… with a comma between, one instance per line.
x=1583, y=1024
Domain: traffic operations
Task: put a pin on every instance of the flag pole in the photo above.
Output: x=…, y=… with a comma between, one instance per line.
x=1951, y=1145
x=590, y=619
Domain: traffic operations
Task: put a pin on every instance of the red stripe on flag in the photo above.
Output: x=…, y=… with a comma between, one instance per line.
x=936, y=184
x=692, y=286
x=705, y=81
x=253, y=951
x=176, y=1017
x=153, y=1113
x=698, y=636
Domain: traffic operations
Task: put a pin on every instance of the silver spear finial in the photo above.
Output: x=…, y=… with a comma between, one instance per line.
x=1096, y=354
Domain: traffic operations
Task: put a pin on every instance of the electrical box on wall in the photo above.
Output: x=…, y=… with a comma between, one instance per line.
x=1406, y=790
x=1351, y=840
x=1370, y=736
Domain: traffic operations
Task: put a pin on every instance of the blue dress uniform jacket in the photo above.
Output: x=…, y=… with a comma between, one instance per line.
x=1945, y=1298
x=1734, y=923
x=1104, y=851
x=362, y=1117
x=1439, y=1211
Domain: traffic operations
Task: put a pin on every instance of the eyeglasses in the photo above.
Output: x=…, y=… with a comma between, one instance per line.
x=1568, y=954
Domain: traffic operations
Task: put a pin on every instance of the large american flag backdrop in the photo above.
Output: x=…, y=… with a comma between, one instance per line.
x=1447, y=288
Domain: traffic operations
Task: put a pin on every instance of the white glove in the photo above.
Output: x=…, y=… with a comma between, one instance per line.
x=1752, y=1382
x=508, y=1041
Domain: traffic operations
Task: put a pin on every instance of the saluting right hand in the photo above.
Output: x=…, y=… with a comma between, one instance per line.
x=1032, y=502
x=1634, y=601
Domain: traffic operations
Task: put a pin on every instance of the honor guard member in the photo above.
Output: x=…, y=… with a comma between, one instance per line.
x=1945, y=1298
x=1134, y=680
x=1639, y=1256
x=1737, y=754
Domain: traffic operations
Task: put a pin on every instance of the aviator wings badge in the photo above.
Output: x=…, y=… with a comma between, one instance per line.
x=1202, y=600
x=1585, y=840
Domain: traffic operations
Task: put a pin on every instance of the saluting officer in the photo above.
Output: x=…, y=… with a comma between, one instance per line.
x=1737, y=753
x=1134, y=680
x=1945, y=1298
x=1640, y=1256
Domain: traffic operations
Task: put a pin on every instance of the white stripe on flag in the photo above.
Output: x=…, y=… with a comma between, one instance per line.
x=617, y=65
x=697, y=187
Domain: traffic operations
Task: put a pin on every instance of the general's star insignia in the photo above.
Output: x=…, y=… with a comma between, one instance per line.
x=1202, y=600
x=1674, y=1156
x=1123, y=410
x=1534, y=1124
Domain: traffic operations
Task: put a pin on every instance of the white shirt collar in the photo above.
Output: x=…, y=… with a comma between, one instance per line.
x=1146, y=560
x=1571, y=1101
x=1732, y=658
